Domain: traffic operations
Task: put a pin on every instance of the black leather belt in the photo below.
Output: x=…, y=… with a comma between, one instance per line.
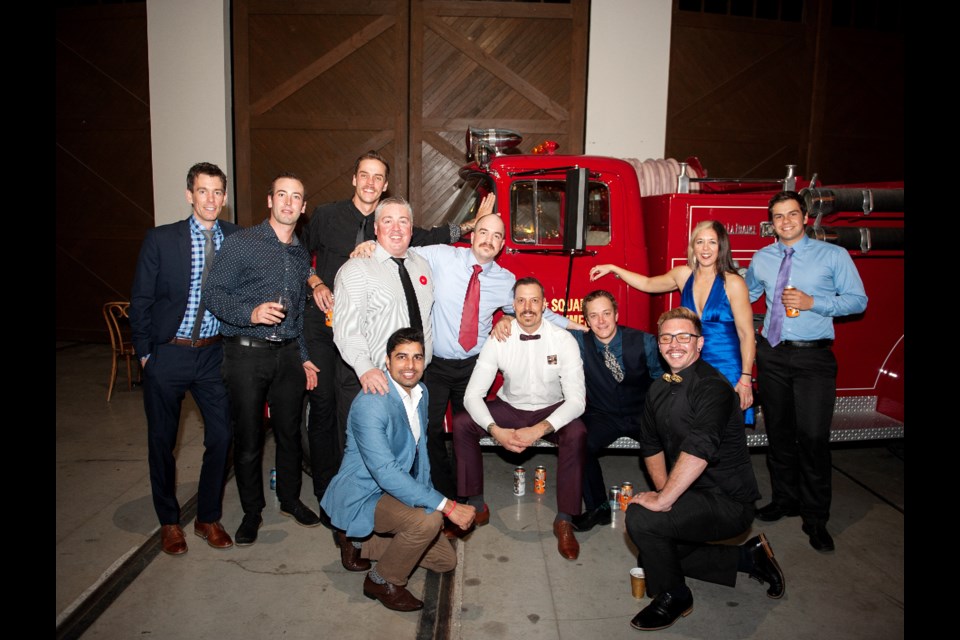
x=202, y=342
x=807, y=344
x=247, y=341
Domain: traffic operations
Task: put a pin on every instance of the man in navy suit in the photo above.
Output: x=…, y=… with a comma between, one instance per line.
x=178, y=343
x=383, y=490
x=619, y=365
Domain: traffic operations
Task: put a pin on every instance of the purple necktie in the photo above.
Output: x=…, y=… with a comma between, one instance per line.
x=777, y=311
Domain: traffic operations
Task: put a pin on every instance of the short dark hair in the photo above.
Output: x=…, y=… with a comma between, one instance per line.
x=527, y=280
x=405, y=335
x=600, y=293
x=281, y=176
x=680, y=313
x=783, y=196
x=372, y=155
x=207, y=169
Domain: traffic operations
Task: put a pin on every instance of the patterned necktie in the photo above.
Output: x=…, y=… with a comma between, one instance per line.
x=470, y=319
x=778, y=312
x=208, y=254
x=413, y=307
x=611, y=361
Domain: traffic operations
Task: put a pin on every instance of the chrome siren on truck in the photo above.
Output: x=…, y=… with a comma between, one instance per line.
x=484, y=144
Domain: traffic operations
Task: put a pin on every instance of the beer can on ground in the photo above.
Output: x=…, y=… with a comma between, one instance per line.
x=792, y=312
x=626, y=492
x=273, y=479
x=615, y=497
x=519, y=481
x=540, y=480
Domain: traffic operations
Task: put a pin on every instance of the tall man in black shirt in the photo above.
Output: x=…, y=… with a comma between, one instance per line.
x=695, y=450
x=333, y=232
x=265, y=358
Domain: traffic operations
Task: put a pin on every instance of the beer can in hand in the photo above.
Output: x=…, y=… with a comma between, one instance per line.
x=626, y=492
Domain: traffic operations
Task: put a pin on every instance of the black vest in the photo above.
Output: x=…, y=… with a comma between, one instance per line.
x=606, y=395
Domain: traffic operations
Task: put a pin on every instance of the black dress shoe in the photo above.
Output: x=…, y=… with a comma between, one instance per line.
x=765, y=566
x=301, y=513
x=773, y=512
x=247, y=531
x=589, y=519
x=664, y=610
x=820, y=539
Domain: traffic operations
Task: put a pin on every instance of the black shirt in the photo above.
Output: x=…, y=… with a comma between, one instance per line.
x=701, y=416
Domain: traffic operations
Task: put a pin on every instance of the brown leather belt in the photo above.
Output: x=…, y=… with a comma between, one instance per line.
x=202, y=342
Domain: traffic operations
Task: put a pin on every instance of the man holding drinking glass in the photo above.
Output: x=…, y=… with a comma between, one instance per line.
x=257, y=290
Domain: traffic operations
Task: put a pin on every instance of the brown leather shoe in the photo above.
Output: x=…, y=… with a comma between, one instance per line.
x=214, y=533
x=350, y=555
x=392, y=596
x=483, y=517
x=567, y=543
x=172, y=539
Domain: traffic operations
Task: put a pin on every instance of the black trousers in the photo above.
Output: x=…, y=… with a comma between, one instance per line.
x=674, y=544
x=798, y=387
x=446, y=381
x=171, y=371
x=348, y=387
x=325, y=438
x=255, y=376
x=602, y=430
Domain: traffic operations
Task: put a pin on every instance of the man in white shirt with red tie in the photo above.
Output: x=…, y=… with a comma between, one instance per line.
x=543, y=396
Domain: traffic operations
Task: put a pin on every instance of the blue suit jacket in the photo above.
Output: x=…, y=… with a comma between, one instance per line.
x=379, y=454
x=161, y=285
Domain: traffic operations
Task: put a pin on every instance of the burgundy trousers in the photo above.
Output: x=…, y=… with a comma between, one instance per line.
x=571, y=441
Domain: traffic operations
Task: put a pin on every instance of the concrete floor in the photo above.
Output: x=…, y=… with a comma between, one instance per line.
x=511, y=582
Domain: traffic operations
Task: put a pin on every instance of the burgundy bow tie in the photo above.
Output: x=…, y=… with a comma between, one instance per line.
x=527, y=336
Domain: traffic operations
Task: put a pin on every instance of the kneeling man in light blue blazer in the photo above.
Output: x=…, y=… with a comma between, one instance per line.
x=382, y=500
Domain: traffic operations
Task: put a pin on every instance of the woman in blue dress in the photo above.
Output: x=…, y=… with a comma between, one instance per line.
x=718, y=294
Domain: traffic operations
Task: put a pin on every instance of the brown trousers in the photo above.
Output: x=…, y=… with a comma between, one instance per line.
x=405, y=537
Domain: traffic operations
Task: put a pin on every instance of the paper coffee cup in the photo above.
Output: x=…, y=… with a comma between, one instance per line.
x=638, y=582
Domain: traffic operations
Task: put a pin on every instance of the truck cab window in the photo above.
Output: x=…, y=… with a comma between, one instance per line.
x=537, y=208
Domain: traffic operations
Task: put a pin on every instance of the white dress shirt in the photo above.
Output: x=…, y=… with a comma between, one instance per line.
x=536, y=374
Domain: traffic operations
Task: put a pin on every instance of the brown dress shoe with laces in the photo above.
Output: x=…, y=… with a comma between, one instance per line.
x=391, y=596
x=350, y=555
x=214, y=533
x=173, y=540
x=567, y=543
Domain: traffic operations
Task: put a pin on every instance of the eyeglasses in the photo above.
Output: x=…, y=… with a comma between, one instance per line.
x=682, y=338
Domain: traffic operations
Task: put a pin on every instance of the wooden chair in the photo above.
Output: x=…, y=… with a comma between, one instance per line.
x=114, y=313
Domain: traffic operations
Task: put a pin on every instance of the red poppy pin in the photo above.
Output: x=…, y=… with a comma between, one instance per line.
x=423, y=280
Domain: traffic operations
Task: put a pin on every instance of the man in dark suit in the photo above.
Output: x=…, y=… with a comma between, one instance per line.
x=383, y=487
x=178, y=343
x=619, y=365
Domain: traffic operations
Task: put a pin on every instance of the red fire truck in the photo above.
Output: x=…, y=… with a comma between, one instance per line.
x=566, y=213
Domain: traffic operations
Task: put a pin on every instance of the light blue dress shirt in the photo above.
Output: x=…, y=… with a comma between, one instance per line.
x=820, y=269
x=452, y=268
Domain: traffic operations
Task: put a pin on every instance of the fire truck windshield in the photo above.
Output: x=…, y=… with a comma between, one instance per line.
x=467, y=200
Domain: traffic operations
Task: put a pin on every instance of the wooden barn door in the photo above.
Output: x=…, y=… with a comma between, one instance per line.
x=516, y=65
x=318, y=83
x=315, y=85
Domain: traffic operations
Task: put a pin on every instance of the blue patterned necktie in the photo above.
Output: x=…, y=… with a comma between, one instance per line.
x=777, y=311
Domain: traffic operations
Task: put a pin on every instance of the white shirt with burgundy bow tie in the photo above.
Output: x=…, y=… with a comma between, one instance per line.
x=536, y=374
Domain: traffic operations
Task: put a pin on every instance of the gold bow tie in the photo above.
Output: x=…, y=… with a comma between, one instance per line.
x=672, y=378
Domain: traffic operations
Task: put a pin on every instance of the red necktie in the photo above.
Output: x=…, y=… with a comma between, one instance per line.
x=470, y=319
